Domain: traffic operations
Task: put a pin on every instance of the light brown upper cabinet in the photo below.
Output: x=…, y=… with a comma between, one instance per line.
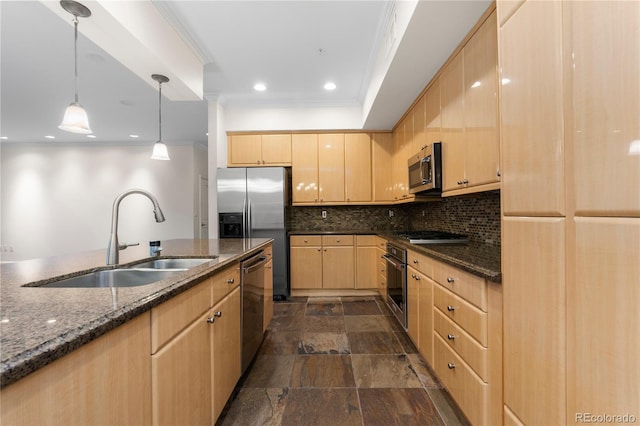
x=469, y=113
x=382, y=157
x=357, y=167
x=254, y=150
x=331, y=167
x=432, y=112
x=304, y=168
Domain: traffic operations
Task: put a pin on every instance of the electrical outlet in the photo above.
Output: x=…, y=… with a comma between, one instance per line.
x=324, y=214
x=391, y=213
x=424, y=213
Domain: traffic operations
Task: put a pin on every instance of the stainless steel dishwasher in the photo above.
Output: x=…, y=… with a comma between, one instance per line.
x=252, y=305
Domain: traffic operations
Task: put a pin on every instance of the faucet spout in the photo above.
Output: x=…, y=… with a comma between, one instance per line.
x=113, y=249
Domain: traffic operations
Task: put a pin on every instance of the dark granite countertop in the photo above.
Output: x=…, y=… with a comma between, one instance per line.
x=40, y=325
x=474, y=257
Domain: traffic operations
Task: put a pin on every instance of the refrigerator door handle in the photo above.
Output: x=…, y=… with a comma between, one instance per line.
x=244, y=217
x=248, y=233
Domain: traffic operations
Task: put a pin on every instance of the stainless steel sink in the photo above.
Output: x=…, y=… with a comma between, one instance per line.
x=129, y=277
x=179, y=263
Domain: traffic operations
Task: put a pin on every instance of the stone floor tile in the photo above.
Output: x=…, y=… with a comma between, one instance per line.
x=322, y=371
x=366, y=323
x=394, y=323
x=322, y=406
x=270, y=371
x=374, y=342
x=447, y=408
x=401, y=407
x=288, y=309
x=324, y=299
x=256, y=407
x=281, y=343
x=367, y=307
x=383, y=371
x=326, y=324
x=324, y=309
x=405, y=341
x=423, y=371
x=285, y=323
x=324, y=343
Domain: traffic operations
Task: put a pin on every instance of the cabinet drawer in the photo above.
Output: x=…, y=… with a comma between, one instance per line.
x=172, y=316
x=471, y=393
x=381, y=243
x=471, y=351
x=305, y=240
x=223, y=282
x=464, y=284
x=337, y=240
x=467, y=316
x=365, y=240
x=268, y=251
x=421, y=263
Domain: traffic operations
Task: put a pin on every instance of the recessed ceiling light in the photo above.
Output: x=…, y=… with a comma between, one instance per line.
x=91, y=136
x=260, y=87
x=330, y=86
x=50, y=137
x=134, y=136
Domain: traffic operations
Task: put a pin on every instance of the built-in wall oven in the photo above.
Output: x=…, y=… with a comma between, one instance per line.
x=396, y=258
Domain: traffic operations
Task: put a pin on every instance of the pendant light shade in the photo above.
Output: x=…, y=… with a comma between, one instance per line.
x=75, y=118
x=160, y=151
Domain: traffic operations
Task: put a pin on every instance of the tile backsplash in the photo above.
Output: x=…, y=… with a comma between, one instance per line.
x=475, y=215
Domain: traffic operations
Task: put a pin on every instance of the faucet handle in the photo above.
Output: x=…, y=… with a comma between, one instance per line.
x=125, y=245
x=155, y=248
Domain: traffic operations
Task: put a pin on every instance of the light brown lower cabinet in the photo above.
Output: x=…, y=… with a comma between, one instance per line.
x=323, y=262
x=105, y=382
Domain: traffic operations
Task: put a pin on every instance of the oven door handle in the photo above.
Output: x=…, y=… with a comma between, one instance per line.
x=396, y=265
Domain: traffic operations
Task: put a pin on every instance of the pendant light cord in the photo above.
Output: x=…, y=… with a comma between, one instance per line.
x=75, y=52
x=160, y=111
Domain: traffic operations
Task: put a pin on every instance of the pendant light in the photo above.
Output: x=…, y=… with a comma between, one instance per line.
x=75, y=118
x=160, y=149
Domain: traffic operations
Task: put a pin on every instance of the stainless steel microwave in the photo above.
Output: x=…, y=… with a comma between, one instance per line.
x=425, y=169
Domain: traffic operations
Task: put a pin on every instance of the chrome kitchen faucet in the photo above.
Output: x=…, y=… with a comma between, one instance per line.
x=113, y=249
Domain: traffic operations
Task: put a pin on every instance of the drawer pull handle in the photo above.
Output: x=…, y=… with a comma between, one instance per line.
x=306, y=241
x=451, y=366
x=413, y=276
x=450, y=280
x=231, y=281
x=417, y=277
x=415, y=260
x=211, y=320
x=451, y=336
x=338, y=240
x=217, y=314
x=451, y=308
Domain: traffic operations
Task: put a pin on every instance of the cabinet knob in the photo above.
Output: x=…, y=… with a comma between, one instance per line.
x=451, y=308
x=417, y=277
x=319, y=250
x=451, y=366
x=415, y=260
x=451, y=337
x=498, y=173
x=465, y=181
x=459, y=182
x=450, y=279
x=325, y=249
x=211, y=320
x=217, y=314
x=338, y=240
x=231, y=281
x=413, y=276
x=306, y=241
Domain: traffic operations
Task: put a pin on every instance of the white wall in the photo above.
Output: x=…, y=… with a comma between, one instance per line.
x=300, y=118
x=57, y=199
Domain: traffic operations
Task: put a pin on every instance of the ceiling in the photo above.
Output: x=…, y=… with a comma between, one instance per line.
x=293, y=47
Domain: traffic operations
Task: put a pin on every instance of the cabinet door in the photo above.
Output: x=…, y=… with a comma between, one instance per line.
x=451, y=97
x=604, y=320
x=276, y=149
x=338, y=267
x=481, y=105
x=225, y=349
x=382, y=157
x=366, y=267
x=533, y=269
x=425, y=317
x=605, y=67
x=181, y=377
x=306, y=267
x=413, y=305
x=531, y=111
x=357, y=167
x=432, y=113
x=245, y=149
x=419, y=126
x=331, y=167
x=304, y=168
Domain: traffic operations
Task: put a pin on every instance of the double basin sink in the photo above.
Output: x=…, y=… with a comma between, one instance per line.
x=134, y=275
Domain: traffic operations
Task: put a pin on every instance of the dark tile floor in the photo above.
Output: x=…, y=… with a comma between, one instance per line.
x=338, y=361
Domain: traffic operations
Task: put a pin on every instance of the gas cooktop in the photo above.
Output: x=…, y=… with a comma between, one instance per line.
x=432, y=237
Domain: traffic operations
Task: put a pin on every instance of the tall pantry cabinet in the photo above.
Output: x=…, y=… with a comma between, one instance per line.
x=570, y=144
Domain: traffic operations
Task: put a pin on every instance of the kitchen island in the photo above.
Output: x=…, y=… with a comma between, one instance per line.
x=40, y=325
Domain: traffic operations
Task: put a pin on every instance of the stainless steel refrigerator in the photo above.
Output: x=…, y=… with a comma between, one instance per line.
x=251, y=204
